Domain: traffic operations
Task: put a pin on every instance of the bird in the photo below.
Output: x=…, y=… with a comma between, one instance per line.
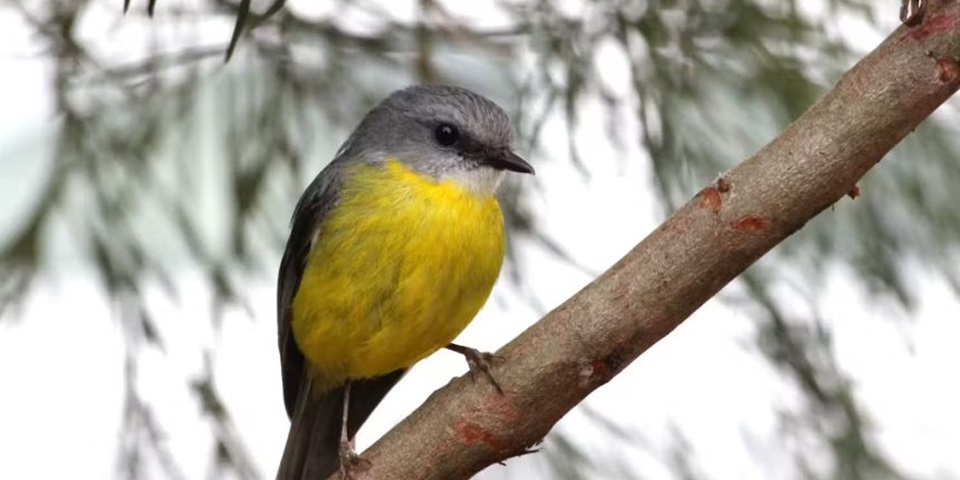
x=393, y=249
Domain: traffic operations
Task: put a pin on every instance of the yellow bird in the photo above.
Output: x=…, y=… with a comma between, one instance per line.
x=394, y=248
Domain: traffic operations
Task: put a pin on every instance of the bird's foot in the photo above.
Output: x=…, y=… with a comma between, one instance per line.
x=478, y=362
x=350, y=462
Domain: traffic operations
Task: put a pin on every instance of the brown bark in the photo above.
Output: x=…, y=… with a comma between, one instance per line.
x=728, y=225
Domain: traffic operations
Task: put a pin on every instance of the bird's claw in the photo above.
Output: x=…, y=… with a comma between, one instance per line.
x=479, y=362
x=911, y=11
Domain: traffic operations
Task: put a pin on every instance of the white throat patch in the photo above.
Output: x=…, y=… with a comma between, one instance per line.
x=482, y=181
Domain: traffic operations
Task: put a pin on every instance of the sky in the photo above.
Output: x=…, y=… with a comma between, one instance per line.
x=62, y=354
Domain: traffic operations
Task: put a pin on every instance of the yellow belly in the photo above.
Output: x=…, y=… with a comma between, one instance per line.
x=400, y=267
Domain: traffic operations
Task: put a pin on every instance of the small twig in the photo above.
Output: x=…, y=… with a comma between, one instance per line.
x=243, y=14
x=243, y=10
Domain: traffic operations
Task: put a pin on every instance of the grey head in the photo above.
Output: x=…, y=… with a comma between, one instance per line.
x=446, y=132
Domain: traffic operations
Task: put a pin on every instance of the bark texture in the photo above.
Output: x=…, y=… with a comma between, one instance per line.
x=586, y=341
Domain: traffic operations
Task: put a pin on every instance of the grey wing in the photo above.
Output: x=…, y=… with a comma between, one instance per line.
x=314, y=206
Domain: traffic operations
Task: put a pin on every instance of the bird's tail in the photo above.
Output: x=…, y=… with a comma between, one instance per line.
x=312, y=449
x=313, y=443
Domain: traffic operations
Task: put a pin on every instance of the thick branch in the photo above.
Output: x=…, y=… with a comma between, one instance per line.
x=583, y=343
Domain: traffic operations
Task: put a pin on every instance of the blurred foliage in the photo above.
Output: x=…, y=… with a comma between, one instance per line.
x=169, y=133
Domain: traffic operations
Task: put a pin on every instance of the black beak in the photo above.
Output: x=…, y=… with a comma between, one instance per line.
x=507, y=160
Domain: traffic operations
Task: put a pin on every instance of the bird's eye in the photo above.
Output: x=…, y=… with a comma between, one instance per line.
x=447, y=134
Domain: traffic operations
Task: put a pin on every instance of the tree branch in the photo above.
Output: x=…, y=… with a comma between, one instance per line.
x=728, y=225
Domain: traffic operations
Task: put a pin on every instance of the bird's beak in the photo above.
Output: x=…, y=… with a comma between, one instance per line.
x=507, y=160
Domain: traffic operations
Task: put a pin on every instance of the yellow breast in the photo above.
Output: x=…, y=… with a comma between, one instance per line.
x=399, y=268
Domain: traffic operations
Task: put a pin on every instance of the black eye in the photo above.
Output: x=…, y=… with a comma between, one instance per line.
x=446, y=134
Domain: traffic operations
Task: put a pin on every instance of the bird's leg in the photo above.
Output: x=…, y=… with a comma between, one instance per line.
x=349, y=460
x=478, y=361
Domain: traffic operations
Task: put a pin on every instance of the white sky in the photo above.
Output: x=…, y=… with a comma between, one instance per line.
x=61, y=357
